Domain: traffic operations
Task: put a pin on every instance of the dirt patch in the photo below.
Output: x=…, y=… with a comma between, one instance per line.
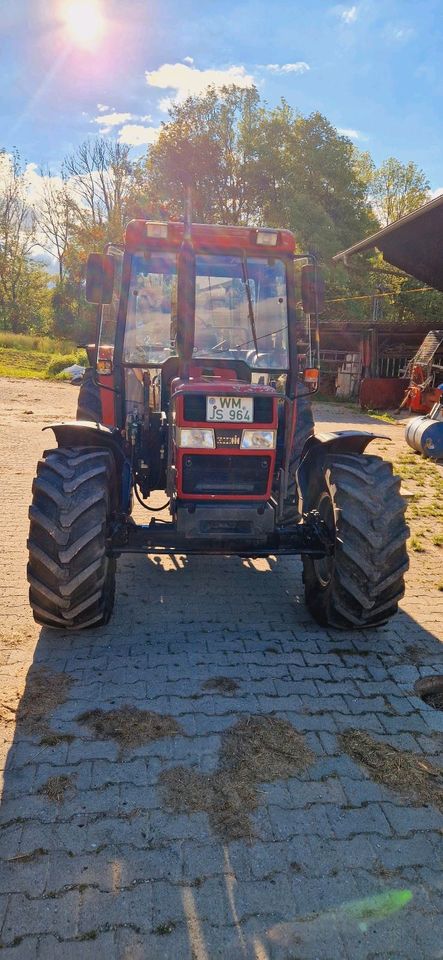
x=221, y=685
x=129, y=726
x=56, y=788
x=404, y=772
x=44, y=692
x=255, y=750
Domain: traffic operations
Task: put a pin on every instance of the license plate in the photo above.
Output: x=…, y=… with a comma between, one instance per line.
x=229, y=409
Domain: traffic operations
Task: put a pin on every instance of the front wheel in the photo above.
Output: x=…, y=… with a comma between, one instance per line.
x=71, y=577
x=358, y=498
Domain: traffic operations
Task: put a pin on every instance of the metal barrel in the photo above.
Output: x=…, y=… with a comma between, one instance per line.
x=425, y=436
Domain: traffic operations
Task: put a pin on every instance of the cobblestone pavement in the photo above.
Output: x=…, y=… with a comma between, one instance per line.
x=337, y=866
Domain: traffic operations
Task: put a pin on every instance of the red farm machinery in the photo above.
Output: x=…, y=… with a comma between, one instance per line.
x=198, y=389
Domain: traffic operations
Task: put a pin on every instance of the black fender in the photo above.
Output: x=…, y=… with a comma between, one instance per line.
x=315, y=451
x=83, y=433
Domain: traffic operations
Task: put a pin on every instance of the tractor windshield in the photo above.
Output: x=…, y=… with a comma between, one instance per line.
x=240, y=309
x=232, y=321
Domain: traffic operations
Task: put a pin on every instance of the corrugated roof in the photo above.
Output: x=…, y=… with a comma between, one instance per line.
x=414, y=244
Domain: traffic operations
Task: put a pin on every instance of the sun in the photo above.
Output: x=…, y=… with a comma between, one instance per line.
x=84, y=22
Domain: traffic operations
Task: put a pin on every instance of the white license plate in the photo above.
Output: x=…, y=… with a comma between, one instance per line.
x=229, y=409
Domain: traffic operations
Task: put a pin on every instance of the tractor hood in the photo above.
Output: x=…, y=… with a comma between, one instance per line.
x=414, y=244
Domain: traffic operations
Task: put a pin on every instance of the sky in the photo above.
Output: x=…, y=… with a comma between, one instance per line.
x=72, y=69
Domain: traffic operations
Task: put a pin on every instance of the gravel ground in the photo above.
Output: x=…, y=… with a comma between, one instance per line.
x=99, y=858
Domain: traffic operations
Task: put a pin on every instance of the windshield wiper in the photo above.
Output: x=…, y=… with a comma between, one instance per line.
x=269, y=333
x=250, y=307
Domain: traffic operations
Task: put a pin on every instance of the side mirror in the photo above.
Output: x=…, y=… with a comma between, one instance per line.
x=99, y=278
x=312, y=289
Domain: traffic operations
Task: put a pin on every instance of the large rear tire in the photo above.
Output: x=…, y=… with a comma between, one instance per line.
x=71, y=576
x=89, y=405
x=359, y=499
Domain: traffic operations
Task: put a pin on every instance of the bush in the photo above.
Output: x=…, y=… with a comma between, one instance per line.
x=59, y=362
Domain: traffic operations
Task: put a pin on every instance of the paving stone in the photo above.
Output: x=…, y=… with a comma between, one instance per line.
x=406, y=819
x=100, y=945
x=37, y=916
x=25, y=949
x=370, y=819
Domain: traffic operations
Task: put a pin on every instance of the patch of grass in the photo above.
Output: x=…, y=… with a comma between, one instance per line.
x=221, y=685
x=399, y=770
x=381, y=415
x=56, y=788
x=438, y=540
x=129, y=726
x=36, y=364
x=30, y=341
x=417, y=545
x=255, y=750
x=44, y=692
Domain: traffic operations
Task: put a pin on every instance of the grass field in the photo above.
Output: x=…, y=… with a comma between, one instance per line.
x=38, y=358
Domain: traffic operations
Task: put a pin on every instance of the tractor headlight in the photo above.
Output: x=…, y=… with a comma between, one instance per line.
x=194, y=437
x=258, y=440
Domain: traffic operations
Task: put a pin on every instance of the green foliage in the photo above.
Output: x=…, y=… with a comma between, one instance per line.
x=73, y=317
x=397, y=189
x=28, y=342
x=59, y=362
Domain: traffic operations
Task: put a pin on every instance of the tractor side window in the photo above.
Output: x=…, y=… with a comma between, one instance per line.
x=152, y=305
x=108, y=325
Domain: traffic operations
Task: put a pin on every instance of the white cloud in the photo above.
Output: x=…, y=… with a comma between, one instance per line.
x=352, y=134
x=299, y=67
x=189, y=60
x=185, y=80
x=102, y=107
x=135, y=135
x=346, y=14
x=436, y=193
x=113, y=119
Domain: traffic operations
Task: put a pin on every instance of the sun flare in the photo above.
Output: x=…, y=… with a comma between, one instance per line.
x=84, y=22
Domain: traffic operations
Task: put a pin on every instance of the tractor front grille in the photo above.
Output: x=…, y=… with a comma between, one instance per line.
x=225, y=476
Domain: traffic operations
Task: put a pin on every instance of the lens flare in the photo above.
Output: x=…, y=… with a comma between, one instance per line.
x=84, y=22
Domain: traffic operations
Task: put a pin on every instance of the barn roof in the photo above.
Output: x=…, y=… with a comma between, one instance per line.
x=414, y=244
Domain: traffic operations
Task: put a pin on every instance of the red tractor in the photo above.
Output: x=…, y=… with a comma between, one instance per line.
x=197, y=389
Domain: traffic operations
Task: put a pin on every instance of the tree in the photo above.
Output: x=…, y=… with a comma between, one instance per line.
x=397, y=189
x=17, y=240
x=100, y=180
x=55, y=216
x=209, y=141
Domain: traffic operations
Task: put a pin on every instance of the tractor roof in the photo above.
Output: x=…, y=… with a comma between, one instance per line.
x=167, y=234
x=414, y=244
